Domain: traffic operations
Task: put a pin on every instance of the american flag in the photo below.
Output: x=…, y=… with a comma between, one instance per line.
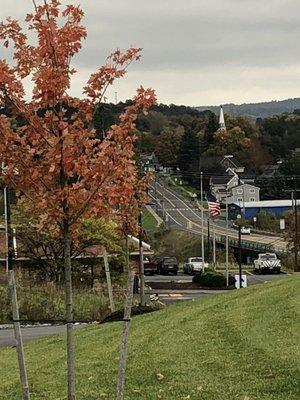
x=213, y=205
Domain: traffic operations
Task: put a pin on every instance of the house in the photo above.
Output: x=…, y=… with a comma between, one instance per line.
x=220, y=186
x=149, y=162
x=253, y=208
x=230, y=162
x=244, y=193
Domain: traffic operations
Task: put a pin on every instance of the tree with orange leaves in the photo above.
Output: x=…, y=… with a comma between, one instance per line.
x=53, y=159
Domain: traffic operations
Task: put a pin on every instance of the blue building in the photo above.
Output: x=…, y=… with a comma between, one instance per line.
x=252, y=208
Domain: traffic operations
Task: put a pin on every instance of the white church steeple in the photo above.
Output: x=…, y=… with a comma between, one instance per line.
x=222, y=125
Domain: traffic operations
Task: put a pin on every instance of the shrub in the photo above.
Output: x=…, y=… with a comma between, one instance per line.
x=211, y=278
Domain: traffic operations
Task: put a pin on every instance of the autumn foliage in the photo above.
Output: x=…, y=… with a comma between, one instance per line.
x=54, y=157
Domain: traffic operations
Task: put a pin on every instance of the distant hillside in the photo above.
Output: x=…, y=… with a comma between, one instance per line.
x=256, y=110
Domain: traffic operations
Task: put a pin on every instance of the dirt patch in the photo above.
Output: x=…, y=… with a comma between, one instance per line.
x=137, y=310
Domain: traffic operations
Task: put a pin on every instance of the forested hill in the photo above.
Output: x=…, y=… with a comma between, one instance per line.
x=257, y=110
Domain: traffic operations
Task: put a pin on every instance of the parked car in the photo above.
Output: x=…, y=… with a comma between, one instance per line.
x=194, y=265
x=267, y=262
x=166, y=265
x=150, y=267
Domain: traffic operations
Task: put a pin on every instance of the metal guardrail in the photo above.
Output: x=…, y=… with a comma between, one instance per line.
x=246, y=244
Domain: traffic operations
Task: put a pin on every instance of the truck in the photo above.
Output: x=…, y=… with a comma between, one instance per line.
x=194, y=265
x=267, y=262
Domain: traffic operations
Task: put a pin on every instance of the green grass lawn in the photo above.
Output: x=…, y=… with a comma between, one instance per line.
x=148, y=221
x=238, y=345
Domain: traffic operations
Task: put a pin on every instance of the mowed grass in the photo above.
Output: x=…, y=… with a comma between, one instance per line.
x=238, y=345
x=148, y=220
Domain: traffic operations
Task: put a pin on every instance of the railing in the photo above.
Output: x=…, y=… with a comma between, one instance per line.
x=263, y=247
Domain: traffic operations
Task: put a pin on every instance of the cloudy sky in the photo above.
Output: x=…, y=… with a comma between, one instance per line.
x=196, y=52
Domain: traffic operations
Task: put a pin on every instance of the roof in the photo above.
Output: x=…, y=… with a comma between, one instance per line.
x=232, y=161
x=268, y=203
x=219, y=180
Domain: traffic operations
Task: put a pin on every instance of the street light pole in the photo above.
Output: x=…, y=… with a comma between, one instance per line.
x=202, y=222
x=227, y=247
x=214, y=244
x=240, y=256
x=296, y=227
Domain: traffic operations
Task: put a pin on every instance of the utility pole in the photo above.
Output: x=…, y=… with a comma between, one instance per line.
x=227, y=247
x=202, y=221
x=141, y=269
x=163, y=209
x=240, y=256
x=13, y=297
x=296, y=226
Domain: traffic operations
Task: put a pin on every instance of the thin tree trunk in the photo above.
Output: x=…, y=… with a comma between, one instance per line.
x=18, y=335
x=69, y=313
x=141, y=264
x=14, y=299
x=126, y=328
x=108, y=281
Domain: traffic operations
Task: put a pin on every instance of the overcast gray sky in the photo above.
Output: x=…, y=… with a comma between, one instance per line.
x=196, y=52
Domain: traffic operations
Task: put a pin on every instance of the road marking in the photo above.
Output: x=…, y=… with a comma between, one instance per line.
x=175, y=295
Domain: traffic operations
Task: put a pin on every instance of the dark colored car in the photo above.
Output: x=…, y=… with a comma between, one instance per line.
x=167, y=265
x=150, y=267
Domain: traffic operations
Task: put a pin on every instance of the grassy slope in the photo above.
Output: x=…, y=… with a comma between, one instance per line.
x=149, y=222
x=236, y=345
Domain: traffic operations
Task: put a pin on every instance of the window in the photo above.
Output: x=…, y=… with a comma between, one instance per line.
x=239, y=199
x=239, y=191
x=252, y=191
x=252, y=199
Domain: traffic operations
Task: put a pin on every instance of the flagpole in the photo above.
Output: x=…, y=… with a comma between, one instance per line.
x=202, y=222
x=214, y=243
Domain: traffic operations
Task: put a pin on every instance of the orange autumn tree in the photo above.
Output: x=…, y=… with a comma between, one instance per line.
x=53, y=159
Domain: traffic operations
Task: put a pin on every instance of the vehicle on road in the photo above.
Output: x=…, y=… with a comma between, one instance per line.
x=150, y=267
x=245, y=230
x=194, y=265
x=267, y=262
x=166, y=265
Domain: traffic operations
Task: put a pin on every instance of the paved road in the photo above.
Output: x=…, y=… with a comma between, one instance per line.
x=181, y=213
x=252, y=279
x=29, y=333
x=171, y=296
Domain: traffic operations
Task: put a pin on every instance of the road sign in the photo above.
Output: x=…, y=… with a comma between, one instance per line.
x=237, y=281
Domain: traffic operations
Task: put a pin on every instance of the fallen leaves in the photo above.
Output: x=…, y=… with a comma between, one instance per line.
x=159, y=376
x=270, y=375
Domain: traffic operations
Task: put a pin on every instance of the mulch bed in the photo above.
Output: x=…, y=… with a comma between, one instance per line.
x=184, y=286
x=136, y=310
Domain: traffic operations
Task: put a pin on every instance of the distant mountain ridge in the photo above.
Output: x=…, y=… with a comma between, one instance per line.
x=257, y=110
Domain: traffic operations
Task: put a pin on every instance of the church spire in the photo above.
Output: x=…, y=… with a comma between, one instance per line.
x=222, y=125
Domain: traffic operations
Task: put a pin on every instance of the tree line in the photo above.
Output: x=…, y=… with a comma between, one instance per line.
x=185, y=138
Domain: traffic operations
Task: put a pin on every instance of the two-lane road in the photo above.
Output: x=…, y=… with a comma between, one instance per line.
x=181, y=213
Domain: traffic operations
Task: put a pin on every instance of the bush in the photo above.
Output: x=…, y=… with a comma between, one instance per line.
x=211, y=278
